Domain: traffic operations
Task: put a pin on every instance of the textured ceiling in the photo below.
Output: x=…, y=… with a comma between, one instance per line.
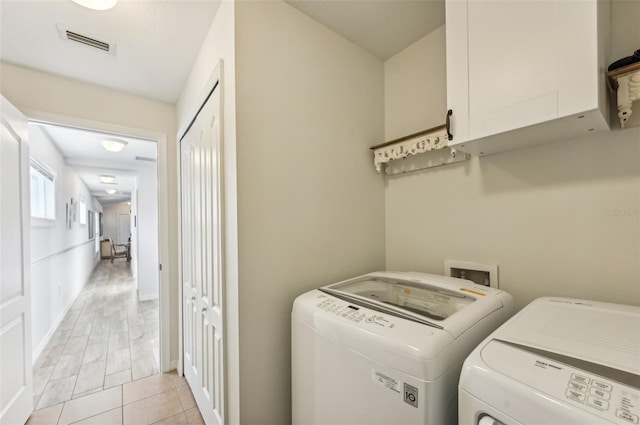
x=381, y=27
x=156, y=42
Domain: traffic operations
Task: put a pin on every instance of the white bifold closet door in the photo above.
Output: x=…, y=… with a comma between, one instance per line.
x=202, y=260
x=16, y=383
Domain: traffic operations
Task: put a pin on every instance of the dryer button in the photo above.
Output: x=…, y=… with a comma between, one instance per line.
x=576, y=395
x=623, y=414
x=598, y=403
x=602, y=394
x=579, y=378
x=602, y=385
x=577, y=386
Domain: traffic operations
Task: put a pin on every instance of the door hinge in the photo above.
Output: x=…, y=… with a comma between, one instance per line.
x=160, y=267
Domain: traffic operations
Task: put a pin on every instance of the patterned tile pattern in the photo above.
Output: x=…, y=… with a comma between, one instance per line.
x=101, y=365
x=106, y=339
x=157, y=399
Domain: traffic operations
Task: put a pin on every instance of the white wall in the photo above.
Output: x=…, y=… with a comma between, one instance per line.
x=32, y=90
x=414, y=92
x=310, y=206
x=560, y=219
x=62, y=259
x=146, y=229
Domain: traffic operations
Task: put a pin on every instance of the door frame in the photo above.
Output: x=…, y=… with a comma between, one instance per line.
x=163, y=209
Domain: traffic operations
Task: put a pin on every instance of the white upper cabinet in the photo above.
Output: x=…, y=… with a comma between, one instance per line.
x=525, y=72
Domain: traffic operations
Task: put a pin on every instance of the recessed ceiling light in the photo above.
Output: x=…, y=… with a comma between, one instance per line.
x=105, y=178
x=111, y=191
x=97, y=4
x=114, y=145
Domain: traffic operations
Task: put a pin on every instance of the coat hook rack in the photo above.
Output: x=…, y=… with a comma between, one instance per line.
x=432, y=140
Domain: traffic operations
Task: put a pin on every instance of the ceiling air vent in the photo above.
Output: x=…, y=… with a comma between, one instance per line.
x=144, y=158
x=75, y=36
x=88, y=41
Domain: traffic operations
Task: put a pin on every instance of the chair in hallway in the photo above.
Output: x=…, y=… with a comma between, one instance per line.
x=120, y=250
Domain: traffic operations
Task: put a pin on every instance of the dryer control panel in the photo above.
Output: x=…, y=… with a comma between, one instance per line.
x=616, y=401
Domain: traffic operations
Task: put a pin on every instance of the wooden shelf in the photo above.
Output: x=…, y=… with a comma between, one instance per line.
x=612, y=75
x=411, y=136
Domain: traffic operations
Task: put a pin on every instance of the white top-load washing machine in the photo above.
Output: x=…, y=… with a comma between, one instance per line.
x=387, y=348
x=558, y=361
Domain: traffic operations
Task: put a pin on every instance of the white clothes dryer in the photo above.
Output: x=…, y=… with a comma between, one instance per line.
x=387, y=348
x=558, y=361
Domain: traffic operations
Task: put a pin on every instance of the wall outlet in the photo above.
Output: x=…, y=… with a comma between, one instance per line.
x=482, y=274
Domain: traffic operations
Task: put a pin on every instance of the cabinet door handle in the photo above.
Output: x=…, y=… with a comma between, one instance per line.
x=448, y=121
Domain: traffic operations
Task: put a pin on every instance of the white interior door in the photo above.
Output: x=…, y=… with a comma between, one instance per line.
x=124, y=227
x=16, y=383
x=202, y=265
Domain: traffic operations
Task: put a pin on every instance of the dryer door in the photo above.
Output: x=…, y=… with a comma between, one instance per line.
x=473, y=411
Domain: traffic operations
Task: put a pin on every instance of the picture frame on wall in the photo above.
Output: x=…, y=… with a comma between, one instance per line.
x=90, y=224
x=73, y=206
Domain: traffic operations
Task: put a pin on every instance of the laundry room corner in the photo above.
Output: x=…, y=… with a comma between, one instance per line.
x=556, y=218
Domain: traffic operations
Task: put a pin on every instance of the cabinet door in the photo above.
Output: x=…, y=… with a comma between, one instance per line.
x=509, y=50
x=457, y=69
x=524, y=72
x=513, y=71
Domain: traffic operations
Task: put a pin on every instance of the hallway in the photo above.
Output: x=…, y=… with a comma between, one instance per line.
x=106, y=339
x=101, y=365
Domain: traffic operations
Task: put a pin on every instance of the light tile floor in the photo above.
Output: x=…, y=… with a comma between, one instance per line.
x=107, y=338
x=157, y=399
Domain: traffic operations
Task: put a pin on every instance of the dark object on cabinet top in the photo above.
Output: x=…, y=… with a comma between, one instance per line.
x=625, y=61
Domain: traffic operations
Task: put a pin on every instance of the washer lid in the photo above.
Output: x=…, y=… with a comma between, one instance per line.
x=438, y=301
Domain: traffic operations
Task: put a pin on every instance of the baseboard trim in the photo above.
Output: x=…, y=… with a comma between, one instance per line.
x=147, y=297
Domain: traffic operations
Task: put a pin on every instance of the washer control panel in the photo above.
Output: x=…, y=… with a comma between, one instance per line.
x=354, y=313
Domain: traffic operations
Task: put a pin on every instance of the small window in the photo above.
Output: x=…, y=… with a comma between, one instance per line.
x=83, y=212
x=43, y=191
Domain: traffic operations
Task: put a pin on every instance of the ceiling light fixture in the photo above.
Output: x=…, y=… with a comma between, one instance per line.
x=111, y=191
x=96, y=4
x=114, y=145
x=105, y=178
